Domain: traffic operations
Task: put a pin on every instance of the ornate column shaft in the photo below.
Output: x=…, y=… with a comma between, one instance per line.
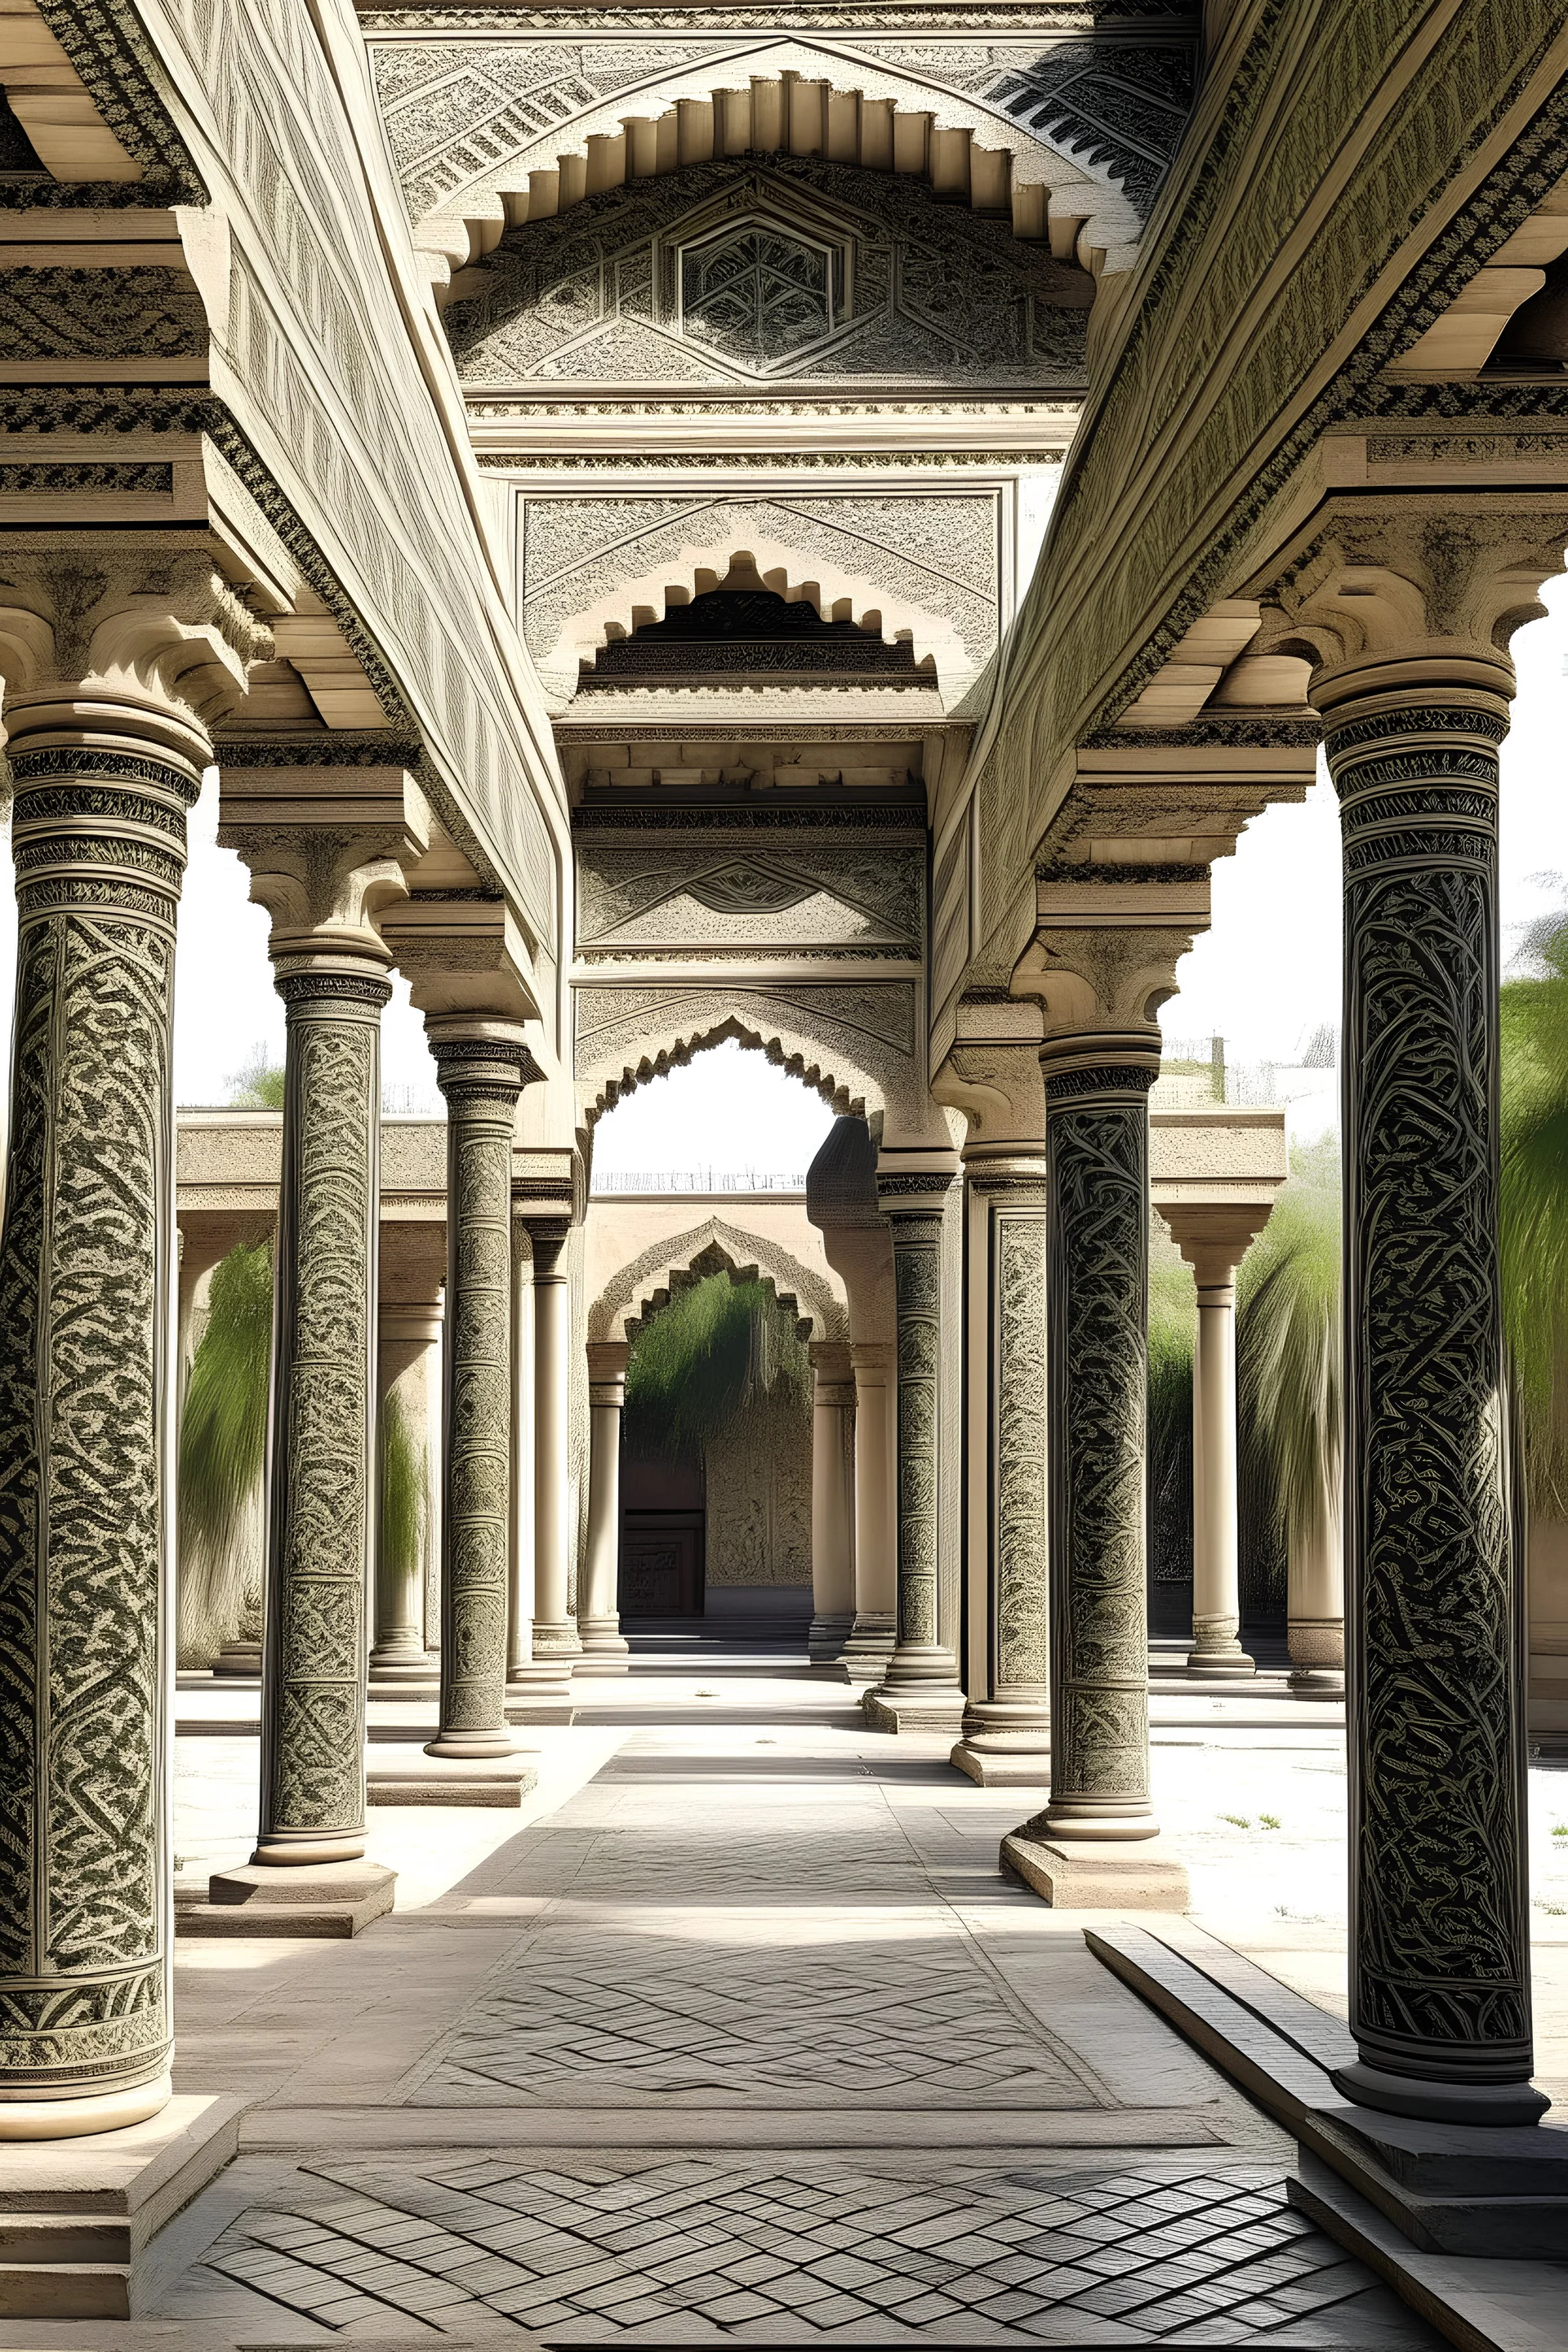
x=481, y=1067
x=605, y=1648
x=1007, y=1734
x=920, y=1688
x=832, y=1501
x=1439, y=1956
x=103, y=660
x=1097, y=1154
x=875, y=1630
x=320, y=1455
x=554, y=1633
x=328, y=849
x=520, y=1605
x=1408, y=604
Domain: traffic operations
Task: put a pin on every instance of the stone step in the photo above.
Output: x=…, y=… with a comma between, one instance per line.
x=69, y=2290
x=77, y=2215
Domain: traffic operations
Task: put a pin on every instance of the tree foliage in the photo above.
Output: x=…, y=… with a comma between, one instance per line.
x=1288, y=1338
x=223, y=1442
x=718, y=1345
x=258, y=1084
x=405, y=1491
x=1534, y=1152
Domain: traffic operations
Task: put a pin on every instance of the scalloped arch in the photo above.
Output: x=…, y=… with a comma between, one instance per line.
x=646, y=1284
x=794, y=1060
x=778, y=96
x=838, y=595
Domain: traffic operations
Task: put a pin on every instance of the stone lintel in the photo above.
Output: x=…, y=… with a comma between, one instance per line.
x=462, y=955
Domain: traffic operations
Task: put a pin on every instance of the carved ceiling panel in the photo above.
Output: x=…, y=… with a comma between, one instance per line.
x=799, y=893
x=726, y=274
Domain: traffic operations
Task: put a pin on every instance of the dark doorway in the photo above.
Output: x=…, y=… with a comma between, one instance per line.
x=663, y=1522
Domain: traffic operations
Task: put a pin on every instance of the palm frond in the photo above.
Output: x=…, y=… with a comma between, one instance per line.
x=405, y=1491
x=223, y=1443
x=1288, y=1339
x=1534, y=1215
x=718, y=1344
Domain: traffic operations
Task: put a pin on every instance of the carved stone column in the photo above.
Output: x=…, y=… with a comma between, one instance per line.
x=605, y=1648
x=876, y=1627
x=1007, y=1735
x=1097, y=1155
x=554, y=1632
x=1213, y=1241
x=832, y=1502
x=481, y=1067
x=921, y=1689
x=327, y=851
x=112, y=667
x=1407, y=609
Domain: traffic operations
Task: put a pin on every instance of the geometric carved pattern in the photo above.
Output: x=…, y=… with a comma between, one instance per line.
x=312, y=1776
x=843, y=276
x=84, y=1267
x=1097, y=1147
x=1439, y=1974
x=806, y=2247
x=641, y=1286
x=599, y=2018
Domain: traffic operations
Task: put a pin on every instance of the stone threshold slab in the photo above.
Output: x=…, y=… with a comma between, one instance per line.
x=1449, y=2190
x=1121, y=2131
x=1479, y=2303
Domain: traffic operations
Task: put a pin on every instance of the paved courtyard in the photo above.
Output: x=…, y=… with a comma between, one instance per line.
x=735, y=2033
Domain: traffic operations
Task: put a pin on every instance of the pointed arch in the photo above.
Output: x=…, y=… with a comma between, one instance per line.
x=715, y=1246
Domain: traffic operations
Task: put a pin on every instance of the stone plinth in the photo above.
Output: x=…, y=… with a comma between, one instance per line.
x=1102, y=1874
x=77, y=2214
x=308, y=1901
x=452, y=1780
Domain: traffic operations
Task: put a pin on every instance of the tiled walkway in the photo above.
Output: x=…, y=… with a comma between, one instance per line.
x=746, y=2041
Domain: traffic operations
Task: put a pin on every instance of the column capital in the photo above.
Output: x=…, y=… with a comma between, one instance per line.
x=607, y=1371
x=1214, y=1236
x=991, y=1074
x=1107, y=938
x=480, y=1061
x=1418, y=591
x=831, y=1362
x=146, y=632
x=329, y=847
x=914, y=1183
x=1085, y=1064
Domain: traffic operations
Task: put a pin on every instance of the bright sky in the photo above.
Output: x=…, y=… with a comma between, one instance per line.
x=1266, y=974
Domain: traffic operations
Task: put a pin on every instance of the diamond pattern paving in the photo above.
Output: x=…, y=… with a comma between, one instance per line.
x=612, y=2019
x=766, y=2251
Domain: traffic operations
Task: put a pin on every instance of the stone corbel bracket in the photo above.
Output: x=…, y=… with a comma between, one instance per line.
x=329, y=849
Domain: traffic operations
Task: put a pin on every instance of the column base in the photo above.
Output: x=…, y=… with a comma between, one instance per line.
x=326, y=1900
x=538, y=1693
x=239, y=1658
x=606, y=1650
x=871, y=1641
x=473, y=1747
x=89, y=2116
x=914, y=1707
x=552, y=1641
x=826, y=1640
x=76, y=2219
x=1316, y=1682
x=1232, y=1661
x=1494, y=2105
x=1110, y=1877
x=1006, y=1743
x=403, y=1663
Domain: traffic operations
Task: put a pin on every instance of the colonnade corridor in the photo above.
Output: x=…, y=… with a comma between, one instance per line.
x=739, y=2035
